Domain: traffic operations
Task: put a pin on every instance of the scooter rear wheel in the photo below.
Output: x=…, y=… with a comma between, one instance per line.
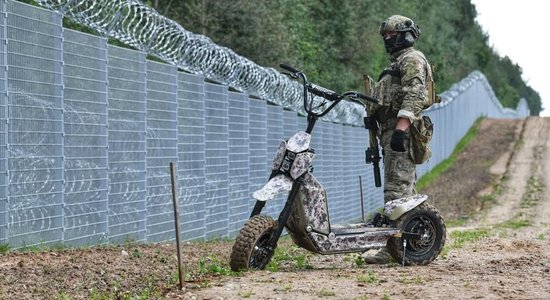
x=426, y=221
x=251, y=250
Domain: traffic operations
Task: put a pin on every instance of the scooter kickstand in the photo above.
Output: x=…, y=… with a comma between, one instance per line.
x=404, y=249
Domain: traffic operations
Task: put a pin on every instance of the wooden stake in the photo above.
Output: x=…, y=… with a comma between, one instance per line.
x=177, y=221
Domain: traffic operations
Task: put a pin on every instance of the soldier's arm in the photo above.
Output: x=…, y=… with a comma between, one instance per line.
x=413, y=80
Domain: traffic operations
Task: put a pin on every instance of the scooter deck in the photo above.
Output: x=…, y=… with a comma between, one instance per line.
x=358, y=228
x=351, y=238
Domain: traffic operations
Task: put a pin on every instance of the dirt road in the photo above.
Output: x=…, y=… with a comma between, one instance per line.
x=495, y=197
x=503, y=254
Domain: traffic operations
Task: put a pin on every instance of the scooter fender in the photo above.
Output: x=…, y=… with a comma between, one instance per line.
x=273, y=187
x=396, y=208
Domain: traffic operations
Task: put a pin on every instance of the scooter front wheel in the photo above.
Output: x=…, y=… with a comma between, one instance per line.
x=251, y=249
x=426, y=221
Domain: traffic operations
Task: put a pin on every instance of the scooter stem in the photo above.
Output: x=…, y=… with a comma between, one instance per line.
x=285, y=214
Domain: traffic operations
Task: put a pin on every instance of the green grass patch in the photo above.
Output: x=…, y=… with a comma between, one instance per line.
x=535, y=190
x=290, y=254
x=370, y=278
x=412, y=280
x=246, y=294
x=515, y=224
x=467, y=236
x=213, y=265
x=326, y=293
x=429, y=177
x=458, y=222
x=461, y=238
x=4, y=248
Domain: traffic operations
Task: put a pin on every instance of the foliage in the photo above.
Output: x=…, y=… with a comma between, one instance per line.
x=337, y=41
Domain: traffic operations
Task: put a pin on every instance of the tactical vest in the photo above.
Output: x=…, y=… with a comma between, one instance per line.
x=389, y=89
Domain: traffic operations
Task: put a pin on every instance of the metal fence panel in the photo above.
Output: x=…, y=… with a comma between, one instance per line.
x=275, y=134
x=258, y=173
x=162, y=148
x=191, y=157
x=238, y=160
x=216, y=156
x=85, y=139
x=126, y=121
x=3, y=127
x=35, y=142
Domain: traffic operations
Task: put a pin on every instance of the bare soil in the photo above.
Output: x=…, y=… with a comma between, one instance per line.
x=494, y=200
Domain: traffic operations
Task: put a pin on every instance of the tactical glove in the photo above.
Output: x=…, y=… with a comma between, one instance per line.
x=398, y=141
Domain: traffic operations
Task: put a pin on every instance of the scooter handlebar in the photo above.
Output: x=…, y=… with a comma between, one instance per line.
x=368, y=98
x=289, y=68
x=324, y=92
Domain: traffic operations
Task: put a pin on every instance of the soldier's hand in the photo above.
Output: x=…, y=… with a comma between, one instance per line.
x=398, y=141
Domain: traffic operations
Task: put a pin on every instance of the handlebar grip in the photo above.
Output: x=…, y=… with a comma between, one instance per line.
x=323, y=92
x=289, y=68
x=368, y=98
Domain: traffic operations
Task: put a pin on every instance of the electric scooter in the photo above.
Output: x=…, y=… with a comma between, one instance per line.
x=412, y=230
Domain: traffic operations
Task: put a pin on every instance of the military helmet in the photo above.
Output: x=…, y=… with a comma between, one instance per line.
x=407, y=32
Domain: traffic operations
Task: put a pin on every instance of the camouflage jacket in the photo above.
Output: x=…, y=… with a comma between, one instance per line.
x=403, y=86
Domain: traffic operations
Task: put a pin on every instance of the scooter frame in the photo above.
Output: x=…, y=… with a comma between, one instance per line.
x=305, y=214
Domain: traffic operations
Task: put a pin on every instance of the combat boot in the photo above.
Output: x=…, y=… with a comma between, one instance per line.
x=381, y=257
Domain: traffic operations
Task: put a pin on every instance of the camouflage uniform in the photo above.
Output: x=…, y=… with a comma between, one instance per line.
x=402, y=96
x=403, y=91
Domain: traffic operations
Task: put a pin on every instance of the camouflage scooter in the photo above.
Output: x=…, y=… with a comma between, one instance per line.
x=411, y=229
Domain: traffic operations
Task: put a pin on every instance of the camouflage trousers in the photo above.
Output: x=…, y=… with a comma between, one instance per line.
x=399, y=169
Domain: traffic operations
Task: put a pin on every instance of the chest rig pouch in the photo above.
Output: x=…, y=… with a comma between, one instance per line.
x=388, y=88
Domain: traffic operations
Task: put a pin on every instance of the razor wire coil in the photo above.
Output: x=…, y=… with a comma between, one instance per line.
x=140, y=26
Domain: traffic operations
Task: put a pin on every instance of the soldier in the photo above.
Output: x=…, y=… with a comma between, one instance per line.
x=403, y=92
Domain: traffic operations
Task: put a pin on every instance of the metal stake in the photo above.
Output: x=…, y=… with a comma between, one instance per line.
x=404, y=250
x=361, y=191
x=177, y=221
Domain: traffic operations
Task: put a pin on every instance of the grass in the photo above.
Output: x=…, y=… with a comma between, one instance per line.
x=213, y=265
x=370, y=278
x=292, y=254
x=246, y=294
x=356, y=258
x=467, y=236
x=326, y=293
x=515, y=223
x=413, y=280
x=459, y=222
x=461, y=238
x=535, y=190
x=4, y=248
x=431, y=176
x=495, y=192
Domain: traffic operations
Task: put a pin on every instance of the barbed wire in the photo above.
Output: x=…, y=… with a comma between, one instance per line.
x=140, y=26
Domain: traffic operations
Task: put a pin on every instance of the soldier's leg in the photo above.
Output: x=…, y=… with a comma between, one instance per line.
x=399, y=182
x=399, y=175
